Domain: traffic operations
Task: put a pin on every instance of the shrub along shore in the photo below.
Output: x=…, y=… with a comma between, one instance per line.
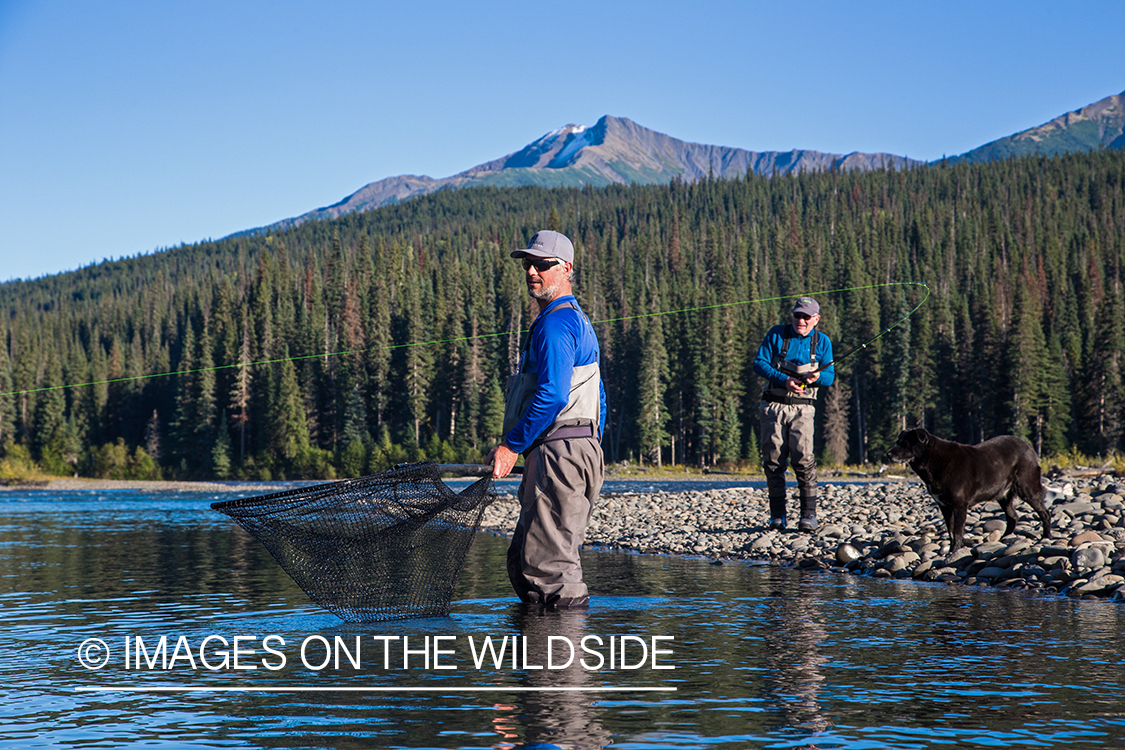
x=879, y=529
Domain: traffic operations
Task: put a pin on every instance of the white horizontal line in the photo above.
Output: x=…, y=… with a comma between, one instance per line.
x=322, y=689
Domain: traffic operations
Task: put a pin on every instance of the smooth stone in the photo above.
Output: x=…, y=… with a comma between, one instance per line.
x=896, y=563
x=1088, y=587
x=1076, y=508
x=890, y=548
x=958, y=556
x=989, y=549
x=1084, y=537
x=1088, y=558
x=923, y=568
x=991, y=571
x=1017, y=546
x=846, y=553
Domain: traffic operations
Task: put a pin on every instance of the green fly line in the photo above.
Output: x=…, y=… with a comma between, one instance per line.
x=459, y=339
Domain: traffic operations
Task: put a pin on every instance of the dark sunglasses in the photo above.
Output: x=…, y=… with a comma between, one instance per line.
x=540, y=265
x=801, y=316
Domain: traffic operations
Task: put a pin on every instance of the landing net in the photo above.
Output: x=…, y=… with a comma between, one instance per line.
x=383, y=547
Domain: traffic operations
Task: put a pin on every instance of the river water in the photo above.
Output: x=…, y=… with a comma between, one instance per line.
x=673, y=653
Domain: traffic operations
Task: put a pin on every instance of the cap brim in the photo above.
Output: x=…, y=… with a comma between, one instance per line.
x=531, y=254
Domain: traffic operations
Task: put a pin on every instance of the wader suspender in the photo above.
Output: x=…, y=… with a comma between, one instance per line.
x=531, y=331
x=766, y=396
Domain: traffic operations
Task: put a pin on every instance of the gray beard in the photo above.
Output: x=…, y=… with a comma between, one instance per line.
x=545, y=293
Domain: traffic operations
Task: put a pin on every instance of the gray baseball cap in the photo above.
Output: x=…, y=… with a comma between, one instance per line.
x=548, y=244
x=807, y=306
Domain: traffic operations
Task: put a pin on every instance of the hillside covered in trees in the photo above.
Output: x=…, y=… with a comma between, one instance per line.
x=337, y=348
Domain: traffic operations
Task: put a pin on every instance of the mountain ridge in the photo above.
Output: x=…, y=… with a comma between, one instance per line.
x=1097, y=125
x=615, y=150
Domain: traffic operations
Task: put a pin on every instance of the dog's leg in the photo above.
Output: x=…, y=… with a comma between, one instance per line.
x=1006, y=502
x=947, y=516
x=1034, y=497
x=957, y=530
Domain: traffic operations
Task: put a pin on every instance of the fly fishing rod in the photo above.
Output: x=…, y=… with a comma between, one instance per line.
x=879, y=335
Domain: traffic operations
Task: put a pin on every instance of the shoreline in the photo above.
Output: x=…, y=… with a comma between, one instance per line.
x=886, y=527
x=882, y=529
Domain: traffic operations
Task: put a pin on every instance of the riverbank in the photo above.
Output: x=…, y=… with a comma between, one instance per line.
x=881, y=529
x=884, y=528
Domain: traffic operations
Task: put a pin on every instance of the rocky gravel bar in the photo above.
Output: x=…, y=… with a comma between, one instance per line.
x=880, y=529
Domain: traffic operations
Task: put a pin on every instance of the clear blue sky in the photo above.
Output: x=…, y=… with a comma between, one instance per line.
x=127, y=127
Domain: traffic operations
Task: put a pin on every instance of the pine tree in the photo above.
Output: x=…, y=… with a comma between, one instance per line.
x=221, y=451
x=492, y=411
x=49, y=436
x=836, y=421
x=1102, y=377
x=7, y=398
x=240, y=392
x=153, y=444
x=289, y=430
x=1026, y=357
x=652, y=380
x=417, y=359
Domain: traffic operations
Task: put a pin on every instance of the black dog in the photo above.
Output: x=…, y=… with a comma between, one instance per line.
x=960, y=476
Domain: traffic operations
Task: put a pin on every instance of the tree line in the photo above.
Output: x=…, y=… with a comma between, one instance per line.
x=341, y=347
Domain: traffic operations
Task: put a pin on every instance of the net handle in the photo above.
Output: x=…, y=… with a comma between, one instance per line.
x=476, y=470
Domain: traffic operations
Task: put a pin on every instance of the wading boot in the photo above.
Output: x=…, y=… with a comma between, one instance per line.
x=777, y=514
x=808, y=522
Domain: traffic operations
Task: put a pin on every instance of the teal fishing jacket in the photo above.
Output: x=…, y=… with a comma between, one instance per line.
x=798, y=353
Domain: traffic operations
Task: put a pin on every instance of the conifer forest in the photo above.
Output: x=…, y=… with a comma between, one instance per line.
x=339, y=348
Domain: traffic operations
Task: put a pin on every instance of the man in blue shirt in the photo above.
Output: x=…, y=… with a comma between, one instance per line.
x=789, y=359
x=554, y=415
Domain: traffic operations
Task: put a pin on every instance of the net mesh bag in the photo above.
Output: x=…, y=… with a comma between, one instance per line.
x=382, y=547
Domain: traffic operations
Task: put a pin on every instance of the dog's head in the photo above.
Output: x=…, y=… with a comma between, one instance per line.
x=911, y=444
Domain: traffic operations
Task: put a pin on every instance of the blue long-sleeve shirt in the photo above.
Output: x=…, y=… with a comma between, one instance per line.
x=561, y=340
x=798, y=353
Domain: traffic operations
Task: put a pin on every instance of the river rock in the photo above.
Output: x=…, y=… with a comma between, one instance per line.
x=1017, y=546
x=1081, y=587
x=922, y=568
x=890, y=547
x=991, y=571
x=900, y=561
x=1084, y=537
x=1076, y=508
x=989, y=549
x=955, y=558
x=846, y=553
x=831, y=531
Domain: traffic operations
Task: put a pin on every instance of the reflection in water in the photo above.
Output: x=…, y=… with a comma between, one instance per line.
x=794, y=634
x=565, y=719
